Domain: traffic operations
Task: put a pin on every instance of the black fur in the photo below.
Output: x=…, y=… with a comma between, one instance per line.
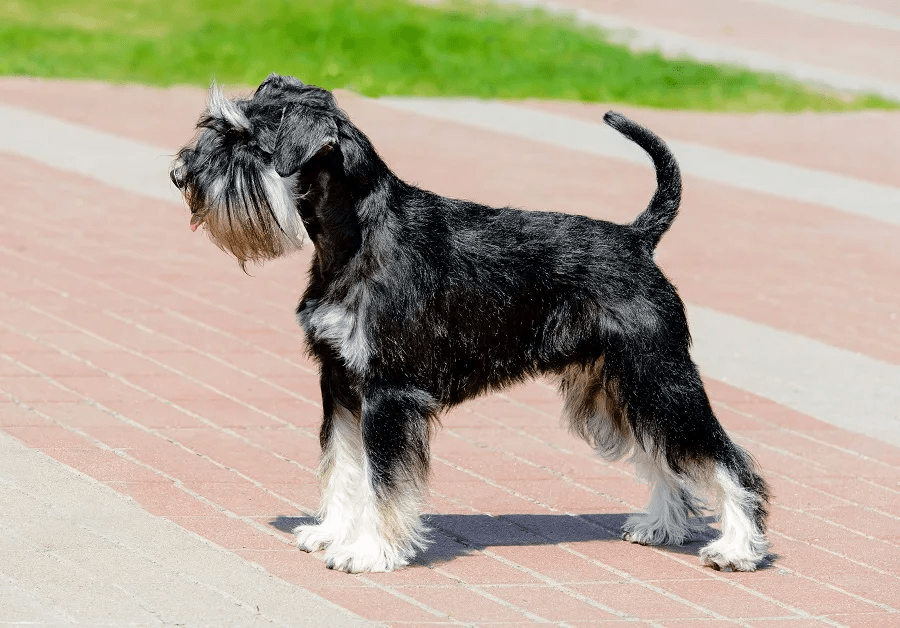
x=417, y=302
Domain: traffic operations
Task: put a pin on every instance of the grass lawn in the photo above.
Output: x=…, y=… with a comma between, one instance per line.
x=375, y=47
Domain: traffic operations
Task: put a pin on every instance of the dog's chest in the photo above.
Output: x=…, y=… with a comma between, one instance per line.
x=341, y=325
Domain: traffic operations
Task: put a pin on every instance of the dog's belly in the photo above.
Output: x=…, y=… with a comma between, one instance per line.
x=451, y=355
x=460, y=352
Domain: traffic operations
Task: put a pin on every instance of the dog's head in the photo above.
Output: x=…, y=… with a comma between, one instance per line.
x=241, y=174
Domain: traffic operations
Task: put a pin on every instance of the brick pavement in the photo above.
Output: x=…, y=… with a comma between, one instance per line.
x=137, y=354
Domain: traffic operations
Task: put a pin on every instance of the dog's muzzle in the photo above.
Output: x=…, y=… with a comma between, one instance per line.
x=178, y=174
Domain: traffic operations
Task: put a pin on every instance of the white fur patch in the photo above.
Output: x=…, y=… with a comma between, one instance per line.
x=742, y=545
x=361, y=532
x=386, y=535
x=215, y=194
x=219, y=106
x=341, y=474
x=279, y=193
x=342, y=328
x=667, y=520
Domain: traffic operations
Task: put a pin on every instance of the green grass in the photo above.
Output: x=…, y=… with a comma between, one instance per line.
x=376, y=47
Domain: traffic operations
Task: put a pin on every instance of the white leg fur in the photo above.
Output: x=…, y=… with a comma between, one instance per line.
x=667, y=520
x=592, y=414
x=341, y=473
x=387, y=532
x=742, y=545
x=360, y=531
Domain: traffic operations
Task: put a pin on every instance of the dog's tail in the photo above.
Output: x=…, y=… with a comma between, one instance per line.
x=654, y=221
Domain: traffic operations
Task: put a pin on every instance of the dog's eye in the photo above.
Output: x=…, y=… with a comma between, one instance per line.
x=236, y=137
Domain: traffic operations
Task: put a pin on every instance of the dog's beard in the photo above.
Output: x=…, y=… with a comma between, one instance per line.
x=248, y=210
x=233, y=190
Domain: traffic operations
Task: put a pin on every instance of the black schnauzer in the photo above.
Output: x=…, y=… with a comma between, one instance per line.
x=418, y=302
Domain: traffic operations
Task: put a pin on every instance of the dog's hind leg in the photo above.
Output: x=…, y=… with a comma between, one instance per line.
x=594, y=412
x=743, y=498
x=672, y=504
x=396, y=427
x=683, y=445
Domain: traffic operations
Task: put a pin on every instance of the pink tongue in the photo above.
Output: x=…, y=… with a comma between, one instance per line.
x=193, y=227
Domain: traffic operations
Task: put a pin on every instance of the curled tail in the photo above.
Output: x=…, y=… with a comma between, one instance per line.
x=654, y=221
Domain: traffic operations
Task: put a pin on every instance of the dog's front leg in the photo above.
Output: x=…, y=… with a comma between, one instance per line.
x=386, y=529
x=341, y=473
x=341, y=467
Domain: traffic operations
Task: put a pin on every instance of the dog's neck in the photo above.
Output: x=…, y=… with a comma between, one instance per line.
x=343, y=197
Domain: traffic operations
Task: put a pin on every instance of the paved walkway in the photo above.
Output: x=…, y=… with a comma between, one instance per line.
x=75, y=551
x=158, y=419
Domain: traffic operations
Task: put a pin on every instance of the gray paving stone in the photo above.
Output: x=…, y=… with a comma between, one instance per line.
x=73, y=550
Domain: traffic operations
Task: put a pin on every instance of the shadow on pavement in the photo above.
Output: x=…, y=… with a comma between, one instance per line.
x=460, y=535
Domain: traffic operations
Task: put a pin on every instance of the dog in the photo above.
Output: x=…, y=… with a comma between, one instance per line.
x=417, y=302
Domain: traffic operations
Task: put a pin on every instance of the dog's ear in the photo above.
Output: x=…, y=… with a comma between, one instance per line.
x=304, y=133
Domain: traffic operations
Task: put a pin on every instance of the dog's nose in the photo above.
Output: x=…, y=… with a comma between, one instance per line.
x=177, y=176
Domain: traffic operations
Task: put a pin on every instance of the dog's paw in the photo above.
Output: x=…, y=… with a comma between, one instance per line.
x=311, y=538
x=646, y=530
x=364, y=555
x=721, y=557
